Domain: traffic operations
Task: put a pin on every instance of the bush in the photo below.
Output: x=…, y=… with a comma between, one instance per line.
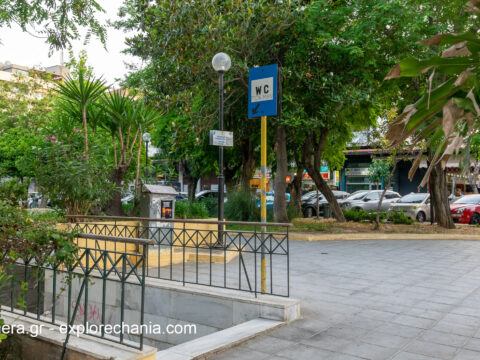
x=362, y=215
x=186, y=209
x=211, y=204
x=398, y=217
x=395, y=216
x=293, y=212
x=242, y=206
x=14, y=191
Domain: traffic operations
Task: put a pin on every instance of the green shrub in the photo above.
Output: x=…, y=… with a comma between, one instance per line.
x=211, y=204
x=398, y=217
x=361, y=215
x=395, y=216
x=14, y=191
x=242, y=206
x=293, y=212
x=186, y=209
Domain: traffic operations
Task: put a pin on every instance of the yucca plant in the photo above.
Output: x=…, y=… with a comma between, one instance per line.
x=79, y=94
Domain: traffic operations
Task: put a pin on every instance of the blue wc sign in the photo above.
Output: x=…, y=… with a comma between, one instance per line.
x=263, y=91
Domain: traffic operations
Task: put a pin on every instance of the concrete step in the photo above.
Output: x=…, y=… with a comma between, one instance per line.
x=209, y=345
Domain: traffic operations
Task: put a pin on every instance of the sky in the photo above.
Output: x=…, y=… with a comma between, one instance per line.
x=23, y=49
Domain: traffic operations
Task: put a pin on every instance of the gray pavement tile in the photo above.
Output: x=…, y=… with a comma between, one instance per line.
x=327, y=342
x=473, y=344
x=467, y=355
x=241, y=354
x=431, y=349
x=414, y=321
x=268, y=344
x=424, y=313
x=368, y=351
x=384, y=339
x=292, y=333
x=409, y=356
x=304, y=352
x=455, y=328
x=400, y=330
x=443, y=338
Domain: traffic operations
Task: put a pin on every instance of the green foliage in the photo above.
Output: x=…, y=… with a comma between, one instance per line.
x=65, y=175
x=241, y=206
x=186, y=209
x=21, y=237
x=58, y=22
x=379, y=170
x=398, y=217
x=211, y=204
x=13, y=191
x=361, y=215
x=293, y=212
x=445, y=117
x=395, y=216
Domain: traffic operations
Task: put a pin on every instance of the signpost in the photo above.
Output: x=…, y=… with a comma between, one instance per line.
x=263, y=102
x=221, y=138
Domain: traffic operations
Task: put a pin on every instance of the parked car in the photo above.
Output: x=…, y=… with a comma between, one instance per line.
x=414, y=205
x=466, y=210
x=368, y=200
x=206, y=194
x=309, y=202
x=270, y=197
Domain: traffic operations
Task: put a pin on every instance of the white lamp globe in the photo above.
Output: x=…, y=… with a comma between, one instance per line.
x=146, y=137
x=221, y=62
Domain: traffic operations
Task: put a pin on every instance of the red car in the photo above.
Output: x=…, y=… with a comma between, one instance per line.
x=466, y=210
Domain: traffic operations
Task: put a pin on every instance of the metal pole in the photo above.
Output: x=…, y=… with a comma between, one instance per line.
x=263, y=202
x=221, y=179
x=146, y=159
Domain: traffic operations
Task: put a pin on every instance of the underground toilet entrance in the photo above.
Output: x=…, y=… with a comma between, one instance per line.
x=180, y=322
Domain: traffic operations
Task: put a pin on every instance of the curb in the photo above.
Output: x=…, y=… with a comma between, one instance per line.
x=379, y=236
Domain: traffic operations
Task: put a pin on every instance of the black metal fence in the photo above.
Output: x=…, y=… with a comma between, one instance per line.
x=190, y=251
x=89, y=295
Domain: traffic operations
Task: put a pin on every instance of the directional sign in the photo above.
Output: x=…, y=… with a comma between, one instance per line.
x=221, y=138
x=262, y=91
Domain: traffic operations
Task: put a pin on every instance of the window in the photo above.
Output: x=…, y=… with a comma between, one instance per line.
x=373, y=196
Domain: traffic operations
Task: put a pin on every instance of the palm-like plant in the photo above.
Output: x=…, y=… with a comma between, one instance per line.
x=127, y=119
x=79, y=94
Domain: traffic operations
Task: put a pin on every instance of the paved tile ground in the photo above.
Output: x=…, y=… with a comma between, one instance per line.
x=378, y=299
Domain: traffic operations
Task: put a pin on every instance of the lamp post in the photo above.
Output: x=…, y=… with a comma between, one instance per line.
x=146, y=137
x=221, y=63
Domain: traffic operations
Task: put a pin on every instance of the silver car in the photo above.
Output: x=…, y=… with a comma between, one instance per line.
x=368, y=200
x=414, y=205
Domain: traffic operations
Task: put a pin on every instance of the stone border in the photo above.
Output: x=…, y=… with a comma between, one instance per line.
x=208, y=345
x=379, y=236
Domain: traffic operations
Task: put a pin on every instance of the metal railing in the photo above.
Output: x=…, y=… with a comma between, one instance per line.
x=89, y=295
x=190, y=251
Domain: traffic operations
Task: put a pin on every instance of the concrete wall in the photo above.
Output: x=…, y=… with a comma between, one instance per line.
x=210, y=309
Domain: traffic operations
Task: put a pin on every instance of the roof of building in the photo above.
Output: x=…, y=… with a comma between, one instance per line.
x=159, y=189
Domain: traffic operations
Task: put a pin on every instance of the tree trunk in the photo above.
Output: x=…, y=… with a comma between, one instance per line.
x=192, y=186
x=115, y=207
x=85, y=130
x=279, y=201
x=473, y=178
x=296, y=189
x=137, y=174
x=387, y=185
x=439, y=197
x=248, y=163
x=313, y=150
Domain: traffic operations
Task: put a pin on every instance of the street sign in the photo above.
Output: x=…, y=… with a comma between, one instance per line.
x=262, y=91
x=221, y=138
